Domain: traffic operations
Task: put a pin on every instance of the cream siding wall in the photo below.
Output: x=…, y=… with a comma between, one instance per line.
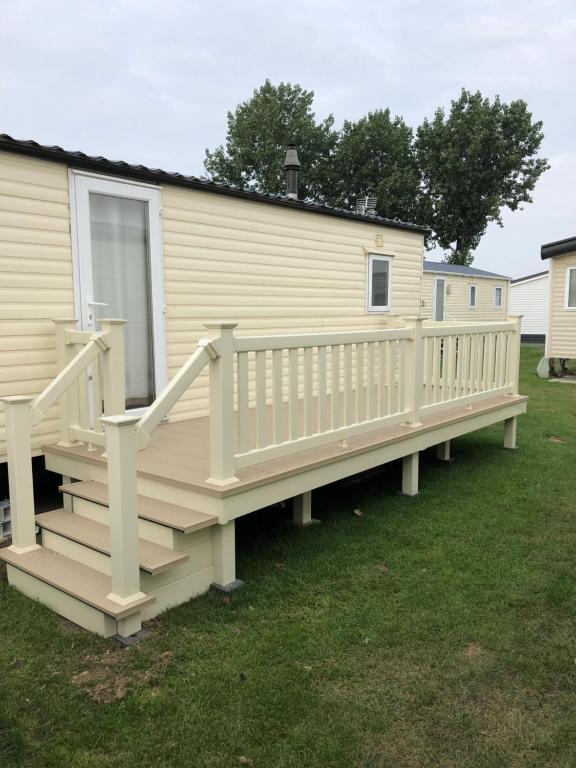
x=530, y=299
x=561, y=340
x=35, y=278
x=456, y=303
x=273, y=271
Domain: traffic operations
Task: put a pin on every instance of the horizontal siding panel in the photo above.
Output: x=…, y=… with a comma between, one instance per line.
x=25, y=191
x=562, y=341
x=34, y=206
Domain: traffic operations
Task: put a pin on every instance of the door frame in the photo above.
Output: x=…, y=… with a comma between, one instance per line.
x=81, y=183
x=443, y=279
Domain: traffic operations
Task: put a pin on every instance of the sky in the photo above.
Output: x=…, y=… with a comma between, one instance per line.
x=150, y=81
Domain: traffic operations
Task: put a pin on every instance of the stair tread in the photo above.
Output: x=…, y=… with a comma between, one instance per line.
x=154, y=558
x=73, y=578
x=155, y=510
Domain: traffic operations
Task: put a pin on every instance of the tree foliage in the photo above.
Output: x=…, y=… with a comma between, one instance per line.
x=455, y=175
x=475, y=162
x=258, y=132
x=375, y=156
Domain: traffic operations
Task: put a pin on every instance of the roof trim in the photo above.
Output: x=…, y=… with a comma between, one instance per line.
x=431, y=267
x=158, y=176
x=530, y=277
x=558, y=248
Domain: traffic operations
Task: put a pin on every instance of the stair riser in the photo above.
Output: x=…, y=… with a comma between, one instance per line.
x=179, y=592
x=157, y=534
x=82, y=554
x=63, y=604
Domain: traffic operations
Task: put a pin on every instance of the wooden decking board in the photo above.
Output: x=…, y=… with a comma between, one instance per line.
x=184, y=462
x=156, y=511
x=153, y=557
x=72, y=578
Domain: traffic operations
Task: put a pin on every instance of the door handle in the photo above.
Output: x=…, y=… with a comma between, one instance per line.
x=96, y=303
x=90, y=305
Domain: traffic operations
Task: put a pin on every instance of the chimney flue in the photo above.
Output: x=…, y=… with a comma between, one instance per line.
x=291, y=168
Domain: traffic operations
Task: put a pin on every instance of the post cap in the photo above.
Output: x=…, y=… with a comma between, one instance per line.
x=64, y=320
x=121, y=420
x=17, y=399
x=222, y=325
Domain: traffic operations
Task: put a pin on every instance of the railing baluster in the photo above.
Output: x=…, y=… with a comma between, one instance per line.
x=370, y=380
x=243, y=401
x=293, y=405
x=360, y=400
x=391, y=374
x=260, y=399
x=348, y=403
x=97, y=394
x=382, y=400
x=335, y=386
x=322, y=416
x=308, y=389
x=277, y=396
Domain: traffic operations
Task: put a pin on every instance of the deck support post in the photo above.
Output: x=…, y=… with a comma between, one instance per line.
x=224, y=557
x=121, y=448
x=410, y=466
x=19, y=450
x=302, y=510
x=443, y=451
x=113, y=379
x=510, y=433
x=221, y=420
x=69, y=400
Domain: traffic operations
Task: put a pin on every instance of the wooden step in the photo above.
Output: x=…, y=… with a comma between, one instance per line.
x=153, y=557
x=72, y=578
x=154, y=510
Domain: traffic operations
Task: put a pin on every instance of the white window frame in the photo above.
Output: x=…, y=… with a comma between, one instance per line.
x=496, y=289
x=470, y=286
x=372, y=257
x=81, y=183
x=439, y=278
x=567, y=306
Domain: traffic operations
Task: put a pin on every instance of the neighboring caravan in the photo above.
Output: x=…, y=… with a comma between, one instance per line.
x=456, y=292
x=529, y=298
x=561, y=337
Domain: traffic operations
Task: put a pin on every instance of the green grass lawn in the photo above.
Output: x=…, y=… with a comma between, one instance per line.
x=430, y=631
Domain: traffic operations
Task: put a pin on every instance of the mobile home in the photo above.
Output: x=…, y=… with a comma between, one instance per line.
x=465, y=294
x=187, y=353
x=529, y=298
x=561, y=336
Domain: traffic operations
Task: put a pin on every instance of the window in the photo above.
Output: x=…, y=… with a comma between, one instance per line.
x=498, y=297
x=472, y=297
x=379, y=268
x=570, y=302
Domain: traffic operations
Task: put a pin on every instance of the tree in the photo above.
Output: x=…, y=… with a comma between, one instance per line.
x=375, y=156
x=474, y=163
x=259, y=131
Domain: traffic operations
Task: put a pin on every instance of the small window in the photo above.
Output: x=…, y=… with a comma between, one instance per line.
x=571, y=288
x=498, y=297
x=379, y=268
x=472, y=297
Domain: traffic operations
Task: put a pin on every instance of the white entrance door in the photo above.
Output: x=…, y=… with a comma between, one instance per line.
x=119, y=274
x=439, y=298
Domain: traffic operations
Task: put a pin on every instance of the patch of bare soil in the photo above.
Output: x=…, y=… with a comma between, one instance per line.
x=109, y=677
x=555, y=439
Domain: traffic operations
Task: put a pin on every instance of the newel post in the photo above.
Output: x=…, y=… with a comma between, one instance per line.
x=114, y=377
x=222, y=463
x=69, y=414
x=415, y=372
x=19, y=449
x=122, y=449
x=514, y=378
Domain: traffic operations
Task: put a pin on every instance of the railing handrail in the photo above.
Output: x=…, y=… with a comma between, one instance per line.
x=454, y=329
x=67, y=377
x=175, y=389
x=324, y=339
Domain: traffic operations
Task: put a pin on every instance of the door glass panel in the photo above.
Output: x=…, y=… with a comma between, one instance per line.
x=439, y=300
x=121, y=275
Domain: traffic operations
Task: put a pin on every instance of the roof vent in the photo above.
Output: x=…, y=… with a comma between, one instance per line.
x=291, y=168
x=366, y=206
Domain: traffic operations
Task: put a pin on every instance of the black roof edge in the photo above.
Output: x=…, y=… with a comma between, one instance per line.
x=558, y=248
x=157, y=176
x=530, y=277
